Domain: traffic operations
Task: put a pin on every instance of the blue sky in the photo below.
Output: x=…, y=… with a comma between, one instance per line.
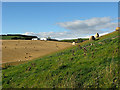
x=60, y=0
x=59, y=19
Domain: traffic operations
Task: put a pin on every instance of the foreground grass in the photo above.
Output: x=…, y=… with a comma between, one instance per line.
x=92, y=64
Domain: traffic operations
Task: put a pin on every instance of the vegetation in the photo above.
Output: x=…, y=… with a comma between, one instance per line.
x=17, y=36
x=91, y=64
x=75, y=40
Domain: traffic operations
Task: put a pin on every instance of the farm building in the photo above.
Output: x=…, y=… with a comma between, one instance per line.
x=35, y=39
x=43, y=39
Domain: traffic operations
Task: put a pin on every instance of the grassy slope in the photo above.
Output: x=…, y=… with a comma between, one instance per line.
x=94, y=66
x=75, y=40
x=8, y=37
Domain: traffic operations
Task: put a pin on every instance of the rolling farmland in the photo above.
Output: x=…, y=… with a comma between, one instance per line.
x=91, y=64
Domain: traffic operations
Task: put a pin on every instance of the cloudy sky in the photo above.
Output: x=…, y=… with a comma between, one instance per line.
x=60, y=20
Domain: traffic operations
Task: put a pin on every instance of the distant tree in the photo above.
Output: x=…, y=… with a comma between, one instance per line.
x=49, y=38
x=80, y=40
x=15, y=38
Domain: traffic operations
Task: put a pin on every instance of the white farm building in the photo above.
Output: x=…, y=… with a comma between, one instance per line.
x=45, y=39
x=34, y=38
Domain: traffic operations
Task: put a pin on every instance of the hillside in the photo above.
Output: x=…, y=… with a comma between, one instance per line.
x=91, y=64
x=17, y=37
x=74, y=40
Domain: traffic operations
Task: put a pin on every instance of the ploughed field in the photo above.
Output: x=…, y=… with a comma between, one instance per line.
x=24, y=50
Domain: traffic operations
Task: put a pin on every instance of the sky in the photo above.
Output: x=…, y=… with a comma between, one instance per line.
x=59, y=20
x=60, y=0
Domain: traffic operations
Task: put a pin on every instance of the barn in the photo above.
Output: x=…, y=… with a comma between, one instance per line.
x=45, y=39
x=34, y=38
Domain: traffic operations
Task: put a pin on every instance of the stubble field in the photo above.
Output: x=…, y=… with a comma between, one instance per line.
x=24, y=50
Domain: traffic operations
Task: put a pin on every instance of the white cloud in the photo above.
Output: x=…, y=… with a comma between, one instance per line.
x=56, y=35
x=89, y=26
x=81, y=28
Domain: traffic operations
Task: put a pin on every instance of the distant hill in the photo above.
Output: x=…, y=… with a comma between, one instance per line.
x=90, y=64
x=17, y=37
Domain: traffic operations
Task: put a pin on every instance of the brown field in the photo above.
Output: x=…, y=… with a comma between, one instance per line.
x=25, y=50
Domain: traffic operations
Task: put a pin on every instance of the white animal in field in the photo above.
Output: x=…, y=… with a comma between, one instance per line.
x=73, y=43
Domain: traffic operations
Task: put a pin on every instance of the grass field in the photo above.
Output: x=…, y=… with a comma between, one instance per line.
x=91, y=64
x=75, y=40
